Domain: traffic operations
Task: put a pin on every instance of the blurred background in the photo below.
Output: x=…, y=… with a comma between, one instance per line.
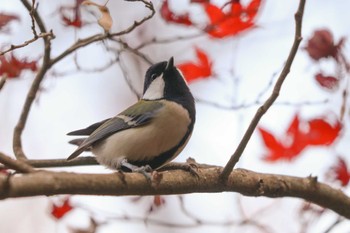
x=100, y=80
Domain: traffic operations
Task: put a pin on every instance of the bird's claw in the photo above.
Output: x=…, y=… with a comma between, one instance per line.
x=144, y=170
x=188, y=167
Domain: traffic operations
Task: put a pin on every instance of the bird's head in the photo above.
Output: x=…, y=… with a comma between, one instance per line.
x=164, y=81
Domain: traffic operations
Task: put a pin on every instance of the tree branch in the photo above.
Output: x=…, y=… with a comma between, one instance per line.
x=17, y=141
x=16, y=165
x=48, y=63
x=45, y=163
x=246, y=182
x=27, y=42
x=275, y=93
x=126, y=46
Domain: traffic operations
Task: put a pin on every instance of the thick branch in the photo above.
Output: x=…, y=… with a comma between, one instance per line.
x=16, y=165
x=275, y=93
x=245, y=182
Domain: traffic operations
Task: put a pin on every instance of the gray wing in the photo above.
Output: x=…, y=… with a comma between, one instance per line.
x=137, y=115
x=88, y=130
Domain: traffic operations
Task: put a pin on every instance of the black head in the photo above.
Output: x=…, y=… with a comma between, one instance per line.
x=164, y=81
x=153, y=73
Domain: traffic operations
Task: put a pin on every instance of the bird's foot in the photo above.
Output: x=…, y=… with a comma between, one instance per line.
x=144, y=170
x=188, y=167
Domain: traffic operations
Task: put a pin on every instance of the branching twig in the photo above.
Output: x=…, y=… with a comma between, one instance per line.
x=180, y=225
x=17, y=141
x=276, y=90
x=100, y=37
x=80, y=69
x=16, y=165
x=127, y=79
x=48, y=63
x=25, y=43
x=126, y=46
x=32, y=13
x=255, y=103
x=168, y=40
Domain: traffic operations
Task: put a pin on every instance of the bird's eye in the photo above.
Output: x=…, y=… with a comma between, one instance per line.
x=154, y=76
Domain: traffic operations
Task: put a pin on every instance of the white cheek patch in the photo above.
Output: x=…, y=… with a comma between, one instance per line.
x=155, y=89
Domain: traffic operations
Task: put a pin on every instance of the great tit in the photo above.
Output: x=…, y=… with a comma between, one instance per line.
x=150, y=133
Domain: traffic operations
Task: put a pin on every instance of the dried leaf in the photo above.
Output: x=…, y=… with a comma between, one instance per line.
x=105, y=21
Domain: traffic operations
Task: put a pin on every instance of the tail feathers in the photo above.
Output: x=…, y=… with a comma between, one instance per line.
x=77, y=141
x=88, y=130
x=76, y=153
x=80, y=132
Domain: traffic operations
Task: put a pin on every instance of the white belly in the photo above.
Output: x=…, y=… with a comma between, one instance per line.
x=144, y=143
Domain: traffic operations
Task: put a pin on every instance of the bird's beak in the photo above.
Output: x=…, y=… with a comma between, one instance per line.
x=170, y=64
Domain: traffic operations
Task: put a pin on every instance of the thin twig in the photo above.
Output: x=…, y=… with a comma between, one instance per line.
x=334, y=224
x=255, y=103
x=100, y=37
x=127, y=79
x=168, y=40
x=25, y=43
x=275, y=93
x=35, y=34
x=88, y=70
x=126, y=46
x=31, y=13
x=17, y=141
x=3, y=79
x=180, y=224
x=16, y=165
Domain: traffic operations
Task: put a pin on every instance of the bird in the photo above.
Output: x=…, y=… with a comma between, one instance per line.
x=151, y=132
